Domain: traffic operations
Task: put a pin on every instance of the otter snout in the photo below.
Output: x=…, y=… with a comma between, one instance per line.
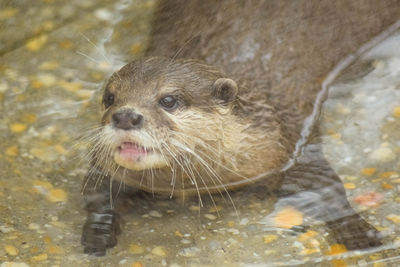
x=127, y=119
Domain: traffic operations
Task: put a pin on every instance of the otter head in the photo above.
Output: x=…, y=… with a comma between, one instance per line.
x=161, y=114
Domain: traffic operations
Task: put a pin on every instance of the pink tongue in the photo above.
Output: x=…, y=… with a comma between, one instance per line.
x=131, y=151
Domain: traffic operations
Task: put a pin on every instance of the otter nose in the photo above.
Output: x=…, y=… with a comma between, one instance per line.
x=127, y=120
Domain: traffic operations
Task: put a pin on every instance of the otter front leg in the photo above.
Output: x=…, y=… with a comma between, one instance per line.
x=102, y=223
x=314, y=187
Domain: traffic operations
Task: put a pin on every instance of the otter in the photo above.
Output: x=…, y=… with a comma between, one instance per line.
x=219, y=102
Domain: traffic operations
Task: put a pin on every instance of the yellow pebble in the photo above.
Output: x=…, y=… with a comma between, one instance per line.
x=394, y=218
x=194, y=208
x=136, y=249
x=47, y=79
x=210, y=216
x=338, y=263
x=36, y=84
x=368, y=171
x=307, y=235
x=12, y=151
x=375, y=257
x=70, y=86
x=137, y=264
x=85, y=94
x=336, y=249
x=386, y=186
x=47, y=239
x=55, y=250
x=57, y=195
x=43, y=153
x=18, y=127
x=270, y=238
x=43, y=184
x=6, y=13
x=60, y=149
x=288, y=217
x=308, y=251
x=36, y=43
x=159, y=251
x=215, y=209
x=49, y=65
x=66, y=44
x=177, y=233
x=29, y=118
x=388, y=174
x=40, y=257
x=336, y=136
x=312, y=243
x=351, y=177
x=396, y=112
x=11, y=250
x=231, y=223
x=349, y=186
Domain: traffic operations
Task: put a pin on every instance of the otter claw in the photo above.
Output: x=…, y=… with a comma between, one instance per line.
x=99, y=233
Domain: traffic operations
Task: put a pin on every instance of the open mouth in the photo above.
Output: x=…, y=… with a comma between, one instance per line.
x=133, y=156
x=130, y=151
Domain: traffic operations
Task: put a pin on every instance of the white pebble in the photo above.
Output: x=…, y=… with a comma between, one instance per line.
x=189, y=252
x=244, y=221
x=155, y=213
x=103, y=14
x=33, y=226
x=383, y=154
x=14, y=264
x=210, y=216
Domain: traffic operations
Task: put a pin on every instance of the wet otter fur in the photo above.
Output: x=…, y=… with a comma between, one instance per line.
x=222, y=99
x=216, y=136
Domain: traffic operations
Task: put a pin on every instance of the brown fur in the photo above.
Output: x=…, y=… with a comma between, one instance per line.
x=209, y=145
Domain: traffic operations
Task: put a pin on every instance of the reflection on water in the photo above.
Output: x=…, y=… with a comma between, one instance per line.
x=51, y=73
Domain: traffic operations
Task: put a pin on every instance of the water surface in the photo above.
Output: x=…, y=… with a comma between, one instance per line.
x=52, y=69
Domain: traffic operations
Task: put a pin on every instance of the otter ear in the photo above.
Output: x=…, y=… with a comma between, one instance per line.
x=225, y=90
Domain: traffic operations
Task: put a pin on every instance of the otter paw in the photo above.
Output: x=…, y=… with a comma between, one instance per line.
x=99, y=233
x=355, y=233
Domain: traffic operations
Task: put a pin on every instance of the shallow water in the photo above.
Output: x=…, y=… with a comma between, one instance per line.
x=52, y=69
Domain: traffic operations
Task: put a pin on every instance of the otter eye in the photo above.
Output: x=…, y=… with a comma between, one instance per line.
x=108, y=100
x=169, y=103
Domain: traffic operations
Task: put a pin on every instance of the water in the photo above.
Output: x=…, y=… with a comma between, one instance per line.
x=52, y=71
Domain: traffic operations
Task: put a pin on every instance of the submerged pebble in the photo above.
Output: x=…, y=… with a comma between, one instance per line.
x=13, y=264
x=136, y=249
x=288, y=217
x=396, y=112
x=18, y=127
x=189, y=252
x=210, y=216
x=394, y=218
x=382, y=154
x=36, y=43
x=40, y=257
x=269, y=238
x=155, y=213
x=159, y=251
x=11, y=250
